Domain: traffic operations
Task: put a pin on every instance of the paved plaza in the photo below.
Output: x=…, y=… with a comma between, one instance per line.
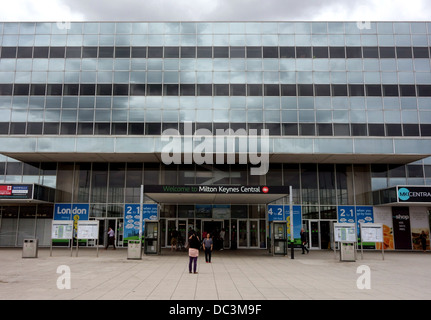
x=232, y=275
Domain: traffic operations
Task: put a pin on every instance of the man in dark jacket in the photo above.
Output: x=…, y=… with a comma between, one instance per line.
x=303, y=241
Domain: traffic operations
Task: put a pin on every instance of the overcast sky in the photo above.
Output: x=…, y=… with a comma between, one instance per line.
x=215, y=10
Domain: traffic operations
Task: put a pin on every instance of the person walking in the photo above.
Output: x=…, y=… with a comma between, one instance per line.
x=423, y=238
x=194, y=245
x=304, y=241
x=111, y=238
x=207, y=245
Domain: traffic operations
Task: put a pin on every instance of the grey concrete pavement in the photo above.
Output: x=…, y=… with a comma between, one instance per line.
x=232, y=275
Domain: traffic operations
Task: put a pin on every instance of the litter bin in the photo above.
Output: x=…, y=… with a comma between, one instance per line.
x=134, y=250
x=29, y=248
x=347, y=251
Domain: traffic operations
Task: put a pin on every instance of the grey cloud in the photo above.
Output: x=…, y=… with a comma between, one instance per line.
x=215, y=10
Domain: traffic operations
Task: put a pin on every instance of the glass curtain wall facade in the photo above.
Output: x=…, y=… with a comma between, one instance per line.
x=106, y=89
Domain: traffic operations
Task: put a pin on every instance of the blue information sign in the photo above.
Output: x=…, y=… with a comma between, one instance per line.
x=71, y=211
x=131, y=219
x=276, y=213
x=346, y=214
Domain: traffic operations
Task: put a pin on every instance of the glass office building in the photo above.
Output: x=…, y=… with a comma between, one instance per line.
x=83, y=106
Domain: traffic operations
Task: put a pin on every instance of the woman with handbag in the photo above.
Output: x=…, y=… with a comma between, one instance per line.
x=194, y=245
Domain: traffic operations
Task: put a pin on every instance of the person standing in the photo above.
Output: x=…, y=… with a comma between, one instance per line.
x=208, y=247
x=423, y=238
x=304, y=241
x=111, y=238
x=222, y=234
x=194, y=245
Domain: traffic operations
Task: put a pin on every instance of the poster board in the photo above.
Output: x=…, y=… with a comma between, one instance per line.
x=345, y=232
x=62, y=230
x=372, y=232
x=88, y=230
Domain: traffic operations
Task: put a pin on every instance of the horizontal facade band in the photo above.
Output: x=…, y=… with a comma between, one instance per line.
x=274, y=129
x=210, y=89
x=205, y=52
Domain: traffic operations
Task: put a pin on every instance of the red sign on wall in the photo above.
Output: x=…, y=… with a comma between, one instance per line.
x=5, y=190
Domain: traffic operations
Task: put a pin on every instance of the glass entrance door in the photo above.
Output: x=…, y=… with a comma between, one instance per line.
x=242, y=233
x=314, y=234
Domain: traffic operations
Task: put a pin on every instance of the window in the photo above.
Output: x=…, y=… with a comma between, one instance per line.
x=137, y=89
x=324, y=129
x=155, y=52
x=287, y=52
x=87, y=89
x=89, y=52
x=426, y=130
x=104, y=89
x=390, y=90
x=424, y=90
x=320, y=52
x=322, y=89
x=359, y=129
x=254, y=90
x=204, y=52
x=353, y=52
x=289, y=129
x=106, y=52
x=153, y=129
x=237, y=52
x=136, y=128
x=221, y=52
x=122, y=52
x=73, y=52
x=404, y=52
x=51, y=128
x=187, y=89
x=8, y=52
x=376, y=129
x=38, y=52
x=85, y=128
x=393, y=130
x=370, y=52
x=254, y=52
x=188, y=52
x=305, y=89
x=34, y=127
x=407, y=91
x=121, y=90
x=341, y=129
x=21, y=89
x=288, y=90
x=307, y=129
x=411, y=130
x=17, y=128
x=337, y=52
x=6, y=89
x=38, y=89
x=303, y=52
x=356, y=90
x=270, y=52
x=154, y=89
x=204, y=90
x=387, y=52
x=68, y=128
x=339, y=90
x=237, y=90
x=25, y=52
x=421, y=52
x=272, y=90
x=170, y=90
x=57, y=52
x=373, y=90
x=139, y=52
x=221, y=89
x=54, y=90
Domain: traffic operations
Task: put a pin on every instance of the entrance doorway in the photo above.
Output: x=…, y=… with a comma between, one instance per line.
x=116, y=225
x=213, y=227
x=320, y=234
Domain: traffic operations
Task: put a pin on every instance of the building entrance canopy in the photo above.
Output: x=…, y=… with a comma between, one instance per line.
x=215, y=194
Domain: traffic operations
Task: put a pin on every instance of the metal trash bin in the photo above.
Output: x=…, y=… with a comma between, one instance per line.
x=347, y=251
x=134, y=250
x=30, y=248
